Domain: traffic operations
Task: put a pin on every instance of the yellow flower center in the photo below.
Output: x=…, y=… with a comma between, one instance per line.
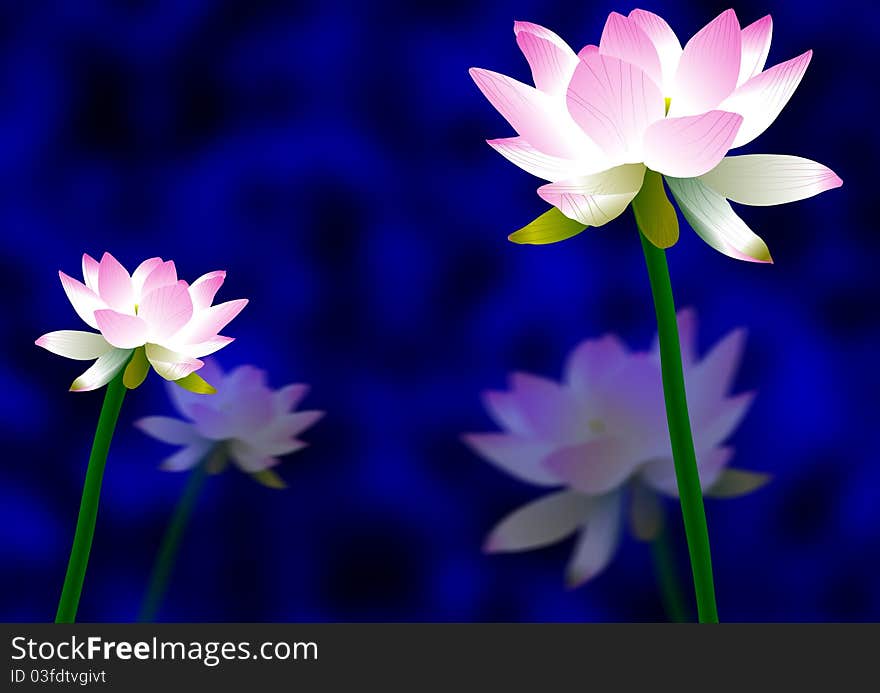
x=668, y=102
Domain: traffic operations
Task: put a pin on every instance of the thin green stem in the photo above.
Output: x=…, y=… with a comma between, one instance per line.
x=88, y=507
x=663, y=553
x=170, y=545
x=689, y=491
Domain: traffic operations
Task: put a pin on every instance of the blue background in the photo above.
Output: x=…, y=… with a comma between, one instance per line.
x=330, y=156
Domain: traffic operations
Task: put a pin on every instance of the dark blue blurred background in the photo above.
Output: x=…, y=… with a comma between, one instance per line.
x=330, y=156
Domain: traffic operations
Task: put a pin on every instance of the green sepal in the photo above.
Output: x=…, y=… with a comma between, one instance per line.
x=551, y=227
x=655, y=214
x=732, y=483
x=197, y=384
x=267, y=477
x=137, y=369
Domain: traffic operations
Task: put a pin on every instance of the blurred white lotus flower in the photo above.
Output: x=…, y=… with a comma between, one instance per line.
x=246, y=422
x=601, y=435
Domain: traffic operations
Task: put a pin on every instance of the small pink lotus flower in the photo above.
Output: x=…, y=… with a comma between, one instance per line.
x=601, y=435
x=245, y=421
x=606, y=123
x=147, y=318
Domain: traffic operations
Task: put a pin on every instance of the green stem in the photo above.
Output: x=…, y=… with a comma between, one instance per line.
x=88, y=507
x=689, y=491
x=171, y=544
x=667, y=578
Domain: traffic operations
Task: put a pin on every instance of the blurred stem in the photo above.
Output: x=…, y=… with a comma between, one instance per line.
x=688, y=479
x=663, y=553
x=88, y=507
x=170, y=545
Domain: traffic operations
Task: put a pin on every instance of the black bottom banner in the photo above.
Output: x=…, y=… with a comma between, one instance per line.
x=416, y=657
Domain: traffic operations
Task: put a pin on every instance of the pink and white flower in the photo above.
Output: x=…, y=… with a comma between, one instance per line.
x=146, y=318
x=600, y=439
x=598, y=120
x=245, y=421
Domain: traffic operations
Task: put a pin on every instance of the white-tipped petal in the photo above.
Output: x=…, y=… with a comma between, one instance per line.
x=597, y=542
x=102, y=371
x=712, y=217
x=73, y=344
x=540, y=523
x=769, y=179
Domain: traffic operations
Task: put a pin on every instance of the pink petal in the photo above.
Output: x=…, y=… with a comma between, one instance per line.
x=540, y=523
x=170, y=364
x=249, y=458
x=687, y=336
x=211, y=422
x=121, y=330
x=168, y=430
x=709, y=380
x=166, y=310
x=520, y=153
x=624, y=39
x=595, y=467
x=690, y=146
x=84, y=301
x=550, y=58
x=289, y=396
x=709, y=66
x=660, y=474
x=518, y=456
x=143, y=270
x=762, y=98
x=665, y=42
x=614, y=102
x=291, y=425
x=536, y=116
x=587, y=50
x=163, y=274
x=72, y=344
x=505, y=410
x=593, y=363
x=598, y=541
x=550, y=409
x=205, y=288
x=210, y=346
x=184, y=400
x=206, y=324
x=90, y=271
x=755, y=48
x=713, y=426
x=188, y=457
x=114, y=284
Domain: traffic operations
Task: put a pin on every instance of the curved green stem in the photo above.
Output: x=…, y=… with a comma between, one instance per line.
x=667, y=578
x=88, y=508
x=171, y=544
x=689, y=491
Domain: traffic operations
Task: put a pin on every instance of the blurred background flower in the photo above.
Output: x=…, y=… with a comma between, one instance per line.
x=601, y=435
x=245, y=422
x=322, y=167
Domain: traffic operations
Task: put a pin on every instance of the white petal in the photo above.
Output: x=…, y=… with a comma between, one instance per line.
x=712, y=217
x=540, y=523
x=769, y=179
x=169, y=364
x=102, y=371
x=249, y=458
x=73, y=344
x=660, y=474
x=597, y=542
x=596, y=199
x=168, y=430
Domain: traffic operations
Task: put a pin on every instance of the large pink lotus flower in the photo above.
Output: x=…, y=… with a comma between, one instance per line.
x=147, y=318
x=599, y=123
x=601, y=435
x=245, y=421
